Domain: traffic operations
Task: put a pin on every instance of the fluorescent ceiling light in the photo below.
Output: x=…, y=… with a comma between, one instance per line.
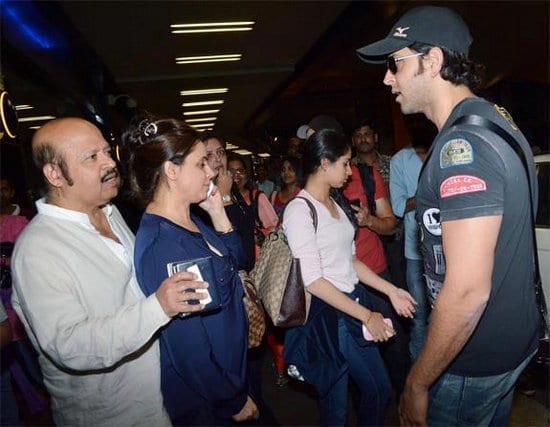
x=203, y=91
x=243, y=152
x=208, y=58
x=230, y=146
x=203, y=61
x=198, y=112
x=211, y=30
x=202, y=119
x=35, y=118
x=34, y=127
x=213, y=24
x=203, y=125
x=264, y=155
x=212, y=27
x=23, y=107
x=189, y=58
x=200, y=103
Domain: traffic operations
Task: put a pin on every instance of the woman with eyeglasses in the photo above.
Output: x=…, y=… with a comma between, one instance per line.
x=260, y=215
x=203, y=356
x=341, y=330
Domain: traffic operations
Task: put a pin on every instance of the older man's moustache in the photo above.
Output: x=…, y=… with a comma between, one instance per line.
x=113, y=173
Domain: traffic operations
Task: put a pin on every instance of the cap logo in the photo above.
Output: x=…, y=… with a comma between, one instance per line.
x=400, y=32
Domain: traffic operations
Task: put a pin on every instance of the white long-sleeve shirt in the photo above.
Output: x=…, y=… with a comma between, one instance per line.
x=327, y=253
x=77, y=295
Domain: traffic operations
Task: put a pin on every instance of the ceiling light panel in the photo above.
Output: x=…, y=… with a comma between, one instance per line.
x=203, y=125
x=208, y=58
x=35, y=118
x=23, y=107
x=204, y=91
x=202, y=119
x=200, y=112
x=212, y=27
x=202, y=103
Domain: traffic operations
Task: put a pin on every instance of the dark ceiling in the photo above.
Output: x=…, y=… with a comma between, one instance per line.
x=298, y=61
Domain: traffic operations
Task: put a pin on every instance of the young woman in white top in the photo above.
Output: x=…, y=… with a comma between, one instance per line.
x=331, y=273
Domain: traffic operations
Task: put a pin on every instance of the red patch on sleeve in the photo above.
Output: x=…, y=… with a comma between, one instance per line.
x=461, y=184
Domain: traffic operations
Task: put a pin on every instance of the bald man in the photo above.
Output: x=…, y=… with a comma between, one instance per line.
x=76, y=293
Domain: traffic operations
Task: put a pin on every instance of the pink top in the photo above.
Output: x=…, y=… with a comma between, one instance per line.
x=11, y=227
x=265, y=210
x=327, y=253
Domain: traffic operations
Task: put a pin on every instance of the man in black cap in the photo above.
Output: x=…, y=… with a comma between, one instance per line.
x=473, y=209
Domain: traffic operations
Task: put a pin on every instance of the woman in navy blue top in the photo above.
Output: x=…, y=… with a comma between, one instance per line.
x=203, y=356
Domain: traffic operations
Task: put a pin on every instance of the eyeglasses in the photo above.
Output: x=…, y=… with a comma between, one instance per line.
x=391, y=61
x=220, y=152
x=239, y=171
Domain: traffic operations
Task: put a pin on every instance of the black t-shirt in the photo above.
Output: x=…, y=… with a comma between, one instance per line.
x=471, y=172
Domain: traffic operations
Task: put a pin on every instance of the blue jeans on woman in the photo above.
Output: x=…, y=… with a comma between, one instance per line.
x=367, y=370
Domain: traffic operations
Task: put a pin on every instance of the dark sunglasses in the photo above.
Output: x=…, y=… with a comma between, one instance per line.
x=391, y=61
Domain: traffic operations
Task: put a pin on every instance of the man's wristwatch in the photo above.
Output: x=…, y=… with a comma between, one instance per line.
x=226, y=198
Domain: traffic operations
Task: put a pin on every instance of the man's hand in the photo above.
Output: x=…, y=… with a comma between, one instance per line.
x=248, y=412
x=173, y=296
x=363, y=216
x=413, y=406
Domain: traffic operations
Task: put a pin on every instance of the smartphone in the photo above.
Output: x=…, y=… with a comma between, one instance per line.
x=355, y=202
x=210, y=188
x=368, y=336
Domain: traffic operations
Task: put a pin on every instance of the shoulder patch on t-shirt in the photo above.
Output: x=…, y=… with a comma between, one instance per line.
x=506, y=116
x=461, y=184
x=456, y=152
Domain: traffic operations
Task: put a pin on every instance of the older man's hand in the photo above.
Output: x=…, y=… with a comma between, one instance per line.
x=175, y=292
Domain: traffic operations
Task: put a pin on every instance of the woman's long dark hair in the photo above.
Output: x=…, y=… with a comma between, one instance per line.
x=331, y=145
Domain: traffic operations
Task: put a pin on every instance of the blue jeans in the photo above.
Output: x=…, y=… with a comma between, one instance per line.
x=417, y=288
x=367, y=370
x=473, y=401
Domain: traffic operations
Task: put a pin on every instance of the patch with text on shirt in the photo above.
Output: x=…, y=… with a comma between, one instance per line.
x=461, y=184
x=456, y=152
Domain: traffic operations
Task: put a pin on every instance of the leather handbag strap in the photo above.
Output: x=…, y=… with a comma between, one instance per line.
x=312, y=211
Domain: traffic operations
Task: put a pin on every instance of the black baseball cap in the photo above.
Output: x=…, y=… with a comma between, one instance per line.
x=433, y=25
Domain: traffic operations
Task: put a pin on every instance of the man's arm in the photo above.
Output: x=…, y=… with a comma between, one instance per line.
x=469, y=246
x=74, y=329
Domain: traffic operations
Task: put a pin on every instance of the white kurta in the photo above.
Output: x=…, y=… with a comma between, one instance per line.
x=77, y=295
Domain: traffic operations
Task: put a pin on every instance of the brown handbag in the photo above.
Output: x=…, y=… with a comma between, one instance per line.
x=254, y=310
x=278, y=277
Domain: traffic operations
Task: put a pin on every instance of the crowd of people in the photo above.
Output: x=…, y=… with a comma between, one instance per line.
x=419, y=264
